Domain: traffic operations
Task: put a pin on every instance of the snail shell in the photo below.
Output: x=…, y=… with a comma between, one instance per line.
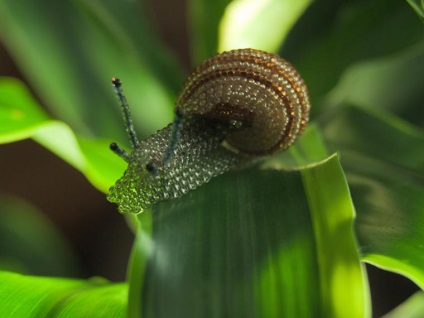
x=258, y=88
x=238, y=105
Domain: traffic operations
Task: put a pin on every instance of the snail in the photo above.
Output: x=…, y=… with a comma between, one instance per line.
x=235, y=107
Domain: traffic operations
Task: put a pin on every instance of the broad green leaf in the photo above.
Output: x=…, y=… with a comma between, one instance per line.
x=19, y=112
x=30, y=296
x=142, y=249
x=382, y=157
x=70, y=57
x=269, y=244
x=329, y=198
x=204, y=18
x=21, y=117
x=30, y=243
x=413, y=307
x=259, y=24
x=308, y=150
x=392, y=83
x=127, y=22
x=332, y=35
x=418, y=6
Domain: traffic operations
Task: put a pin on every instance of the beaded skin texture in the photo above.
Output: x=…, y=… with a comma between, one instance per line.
x=237, y=106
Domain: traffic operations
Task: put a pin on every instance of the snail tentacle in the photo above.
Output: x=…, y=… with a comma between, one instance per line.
x=120, y=151
x=175, y=134
x=117, y=85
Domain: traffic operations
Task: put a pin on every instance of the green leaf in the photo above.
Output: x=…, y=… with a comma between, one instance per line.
x=418, y=6
x=19, y=112
x=30, y=243
x=269, y=244
x=259, y=24
x=21, y=117
x=29, y=296
x=329, y=198
x=70, y=58
x=413, y=307
x=382, y=157
x=142, y=249
x=335, y=34
x=204, y=18
x=391, y=83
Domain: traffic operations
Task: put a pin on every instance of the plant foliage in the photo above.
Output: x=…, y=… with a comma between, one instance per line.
x=284, y=237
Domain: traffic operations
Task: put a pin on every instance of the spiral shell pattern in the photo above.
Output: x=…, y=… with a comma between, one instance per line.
x=261, y=90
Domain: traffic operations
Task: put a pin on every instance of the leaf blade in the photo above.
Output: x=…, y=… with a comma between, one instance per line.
x=245, y=249
x=381, y=155
x=92, y=158
x=26, y=296
x=258, y=24
x=70, y=58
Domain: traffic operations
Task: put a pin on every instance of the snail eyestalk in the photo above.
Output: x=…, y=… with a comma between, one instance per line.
x=175, y=134
x=117, y=85
x=120, y=152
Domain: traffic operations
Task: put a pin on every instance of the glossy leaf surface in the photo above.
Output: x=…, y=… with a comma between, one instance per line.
x=30, y=296
x=83, y=44
x=383, y=159
x=418, y=6
x=268, y=244
x=413, y=307
x=21, y=117
x=204, y=18
x=336, y=34
x=258, y=24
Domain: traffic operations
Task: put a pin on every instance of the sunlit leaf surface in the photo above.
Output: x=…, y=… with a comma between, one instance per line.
x=391, y=83
x=30, y=296
x=70, y=57
x=333, y=35
x=204, y=18
x=418, y=6
x=270, y=244
x=382, y=156
x=21, y=117
x=259, y=24
x=413, y=307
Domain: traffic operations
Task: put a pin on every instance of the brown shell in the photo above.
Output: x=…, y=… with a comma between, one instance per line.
x=259, y=90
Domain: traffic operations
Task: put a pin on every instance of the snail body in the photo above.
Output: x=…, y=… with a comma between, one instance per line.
x=236, y=106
